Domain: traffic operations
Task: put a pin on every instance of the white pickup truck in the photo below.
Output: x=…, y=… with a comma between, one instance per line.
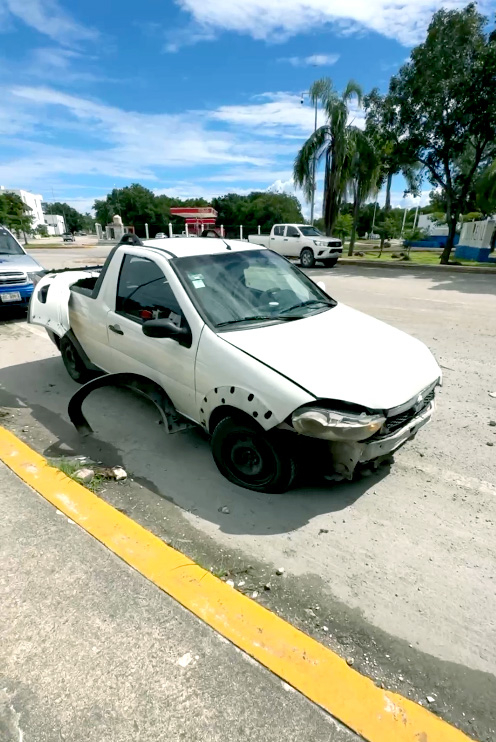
x=236, y=339
x=301, y=241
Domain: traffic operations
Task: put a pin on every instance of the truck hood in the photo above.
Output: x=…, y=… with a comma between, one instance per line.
x=18, y=263
x=343, y=354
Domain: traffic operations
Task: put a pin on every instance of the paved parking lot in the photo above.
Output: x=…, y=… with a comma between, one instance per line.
x=404, y=560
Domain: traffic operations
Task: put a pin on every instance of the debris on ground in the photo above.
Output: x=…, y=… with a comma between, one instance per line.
x=280, y=571
x=489, y=443
x=492, y=394
x=350, y=661
x=119, y=473
x=254, y=594
x=116, y=473
x=492, y=423
x=4, y=413
x=267, y=586
x=185, y=660
x=230, y=583
x=310, y=613
x=224, y=510
x=323, y=530
x=430, y=699
x=84, y=475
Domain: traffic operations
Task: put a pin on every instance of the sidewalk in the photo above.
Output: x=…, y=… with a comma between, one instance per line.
x=90, y=650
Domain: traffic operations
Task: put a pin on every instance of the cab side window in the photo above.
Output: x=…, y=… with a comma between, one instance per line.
x=278, y=231
x=292, y=232
x=143, y=292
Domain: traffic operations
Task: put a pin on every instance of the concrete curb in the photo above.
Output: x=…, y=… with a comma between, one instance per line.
x=407, y=265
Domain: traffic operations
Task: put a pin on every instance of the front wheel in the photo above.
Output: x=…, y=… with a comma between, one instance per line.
x=74, y=364
x=330, y=262
x=307, y=258
x=249, y=457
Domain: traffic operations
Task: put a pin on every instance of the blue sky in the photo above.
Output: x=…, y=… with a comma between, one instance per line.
x=188, y=97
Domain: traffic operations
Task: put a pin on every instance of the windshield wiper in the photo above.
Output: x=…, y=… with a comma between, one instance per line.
x=255, y=318
x=311, y=302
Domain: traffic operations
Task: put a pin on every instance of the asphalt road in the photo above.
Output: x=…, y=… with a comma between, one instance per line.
x=405, y=560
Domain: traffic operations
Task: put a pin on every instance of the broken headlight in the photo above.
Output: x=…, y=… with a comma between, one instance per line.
x=318, y=422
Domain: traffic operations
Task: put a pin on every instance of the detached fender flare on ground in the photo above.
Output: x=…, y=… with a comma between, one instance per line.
x=173, y=421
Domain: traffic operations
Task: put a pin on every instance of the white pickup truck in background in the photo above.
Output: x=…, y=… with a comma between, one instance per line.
x=301, y=241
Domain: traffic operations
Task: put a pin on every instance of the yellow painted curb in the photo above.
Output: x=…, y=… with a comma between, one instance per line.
x=314, y=670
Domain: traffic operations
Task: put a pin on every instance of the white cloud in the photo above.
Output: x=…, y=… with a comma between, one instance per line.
x=315, y=60
x=267, y=19
x=47, y=17
x=282, y=115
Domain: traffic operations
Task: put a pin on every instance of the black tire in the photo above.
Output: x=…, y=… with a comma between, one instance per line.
x=330, y=262
x=249, y=457
x=74, y=364
x=307, y=258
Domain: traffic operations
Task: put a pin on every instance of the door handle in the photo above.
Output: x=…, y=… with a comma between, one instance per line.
x=116, y=329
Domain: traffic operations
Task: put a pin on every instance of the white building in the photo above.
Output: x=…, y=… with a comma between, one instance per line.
x=33, y=200
x=428, y=225
x=55, y=224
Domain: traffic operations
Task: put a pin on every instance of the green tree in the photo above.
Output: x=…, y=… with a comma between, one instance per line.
x=447, y=108
x=332, y=143
x=364, y=174
x=15, y=214
x=343, y=226
x=74, y=220
x=485, y=188
x=383, y=128
x=257, y=208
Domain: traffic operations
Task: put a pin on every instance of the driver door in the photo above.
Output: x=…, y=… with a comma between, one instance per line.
x=292, y=242
x=144, y=292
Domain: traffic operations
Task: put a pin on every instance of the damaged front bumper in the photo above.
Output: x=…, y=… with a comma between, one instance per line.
x=347, y=455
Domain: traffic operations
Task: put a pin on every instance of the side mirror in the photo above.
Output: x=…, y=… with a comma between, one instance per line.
x=164, y=328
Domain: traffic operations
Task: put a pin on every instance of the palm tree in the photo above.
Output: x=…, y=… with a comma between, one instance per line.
x=364, y=174
x=333, y=143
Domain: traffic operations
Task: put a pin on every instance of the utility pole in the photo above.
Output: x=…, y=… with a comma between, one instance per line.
x=314, y=164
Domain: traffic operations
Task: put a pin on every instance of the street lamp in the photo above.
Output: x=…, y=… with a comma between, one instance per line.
x=314, y=181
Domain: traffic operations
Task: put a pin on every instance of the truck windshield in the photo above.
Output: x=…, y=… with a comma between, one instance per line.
x=249, y=287
x=8, y=245
x=310, y=231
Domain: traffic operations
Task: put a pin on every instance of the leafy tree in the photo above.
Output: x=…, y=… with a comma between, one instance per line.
x=485, y=188
x=447, y=108
x=383, y=129
x=331, y=143
x=15, y=214
x=42, y=230
x=364, y=173
x=74, y=220
x=257, y=208
x=344, y=226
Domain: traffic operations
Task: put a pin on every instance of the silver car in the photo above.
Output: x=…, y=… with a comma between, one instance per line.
x=19, y=272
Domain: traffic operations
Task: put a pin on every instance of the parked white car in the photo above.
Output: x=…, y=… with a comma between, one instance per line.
x=301, y=241
x=237, y=340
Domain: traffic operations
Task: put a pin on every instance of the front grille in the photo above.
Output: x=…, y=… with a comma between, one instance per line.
x=334, y=243
x=396, y=422
x=12, y=277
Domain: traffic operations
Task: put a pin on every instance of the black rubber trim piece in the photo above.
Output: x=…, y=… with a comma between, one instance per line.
x=127, y=380
x=89, y=365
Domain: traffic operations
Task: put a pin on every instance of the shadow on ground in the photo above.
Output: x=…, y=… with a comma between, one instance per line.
x=177, y=467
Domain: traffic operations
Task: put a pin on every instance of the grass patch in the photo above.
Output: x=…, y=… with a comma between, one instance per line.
x=69, y=468
x=421, y=257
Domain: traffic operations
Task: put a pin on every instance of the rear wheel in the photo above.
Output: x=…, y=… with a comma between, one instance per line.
x=307, y=258
x=330, y=262
x=74, y=364
x=249, y=457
